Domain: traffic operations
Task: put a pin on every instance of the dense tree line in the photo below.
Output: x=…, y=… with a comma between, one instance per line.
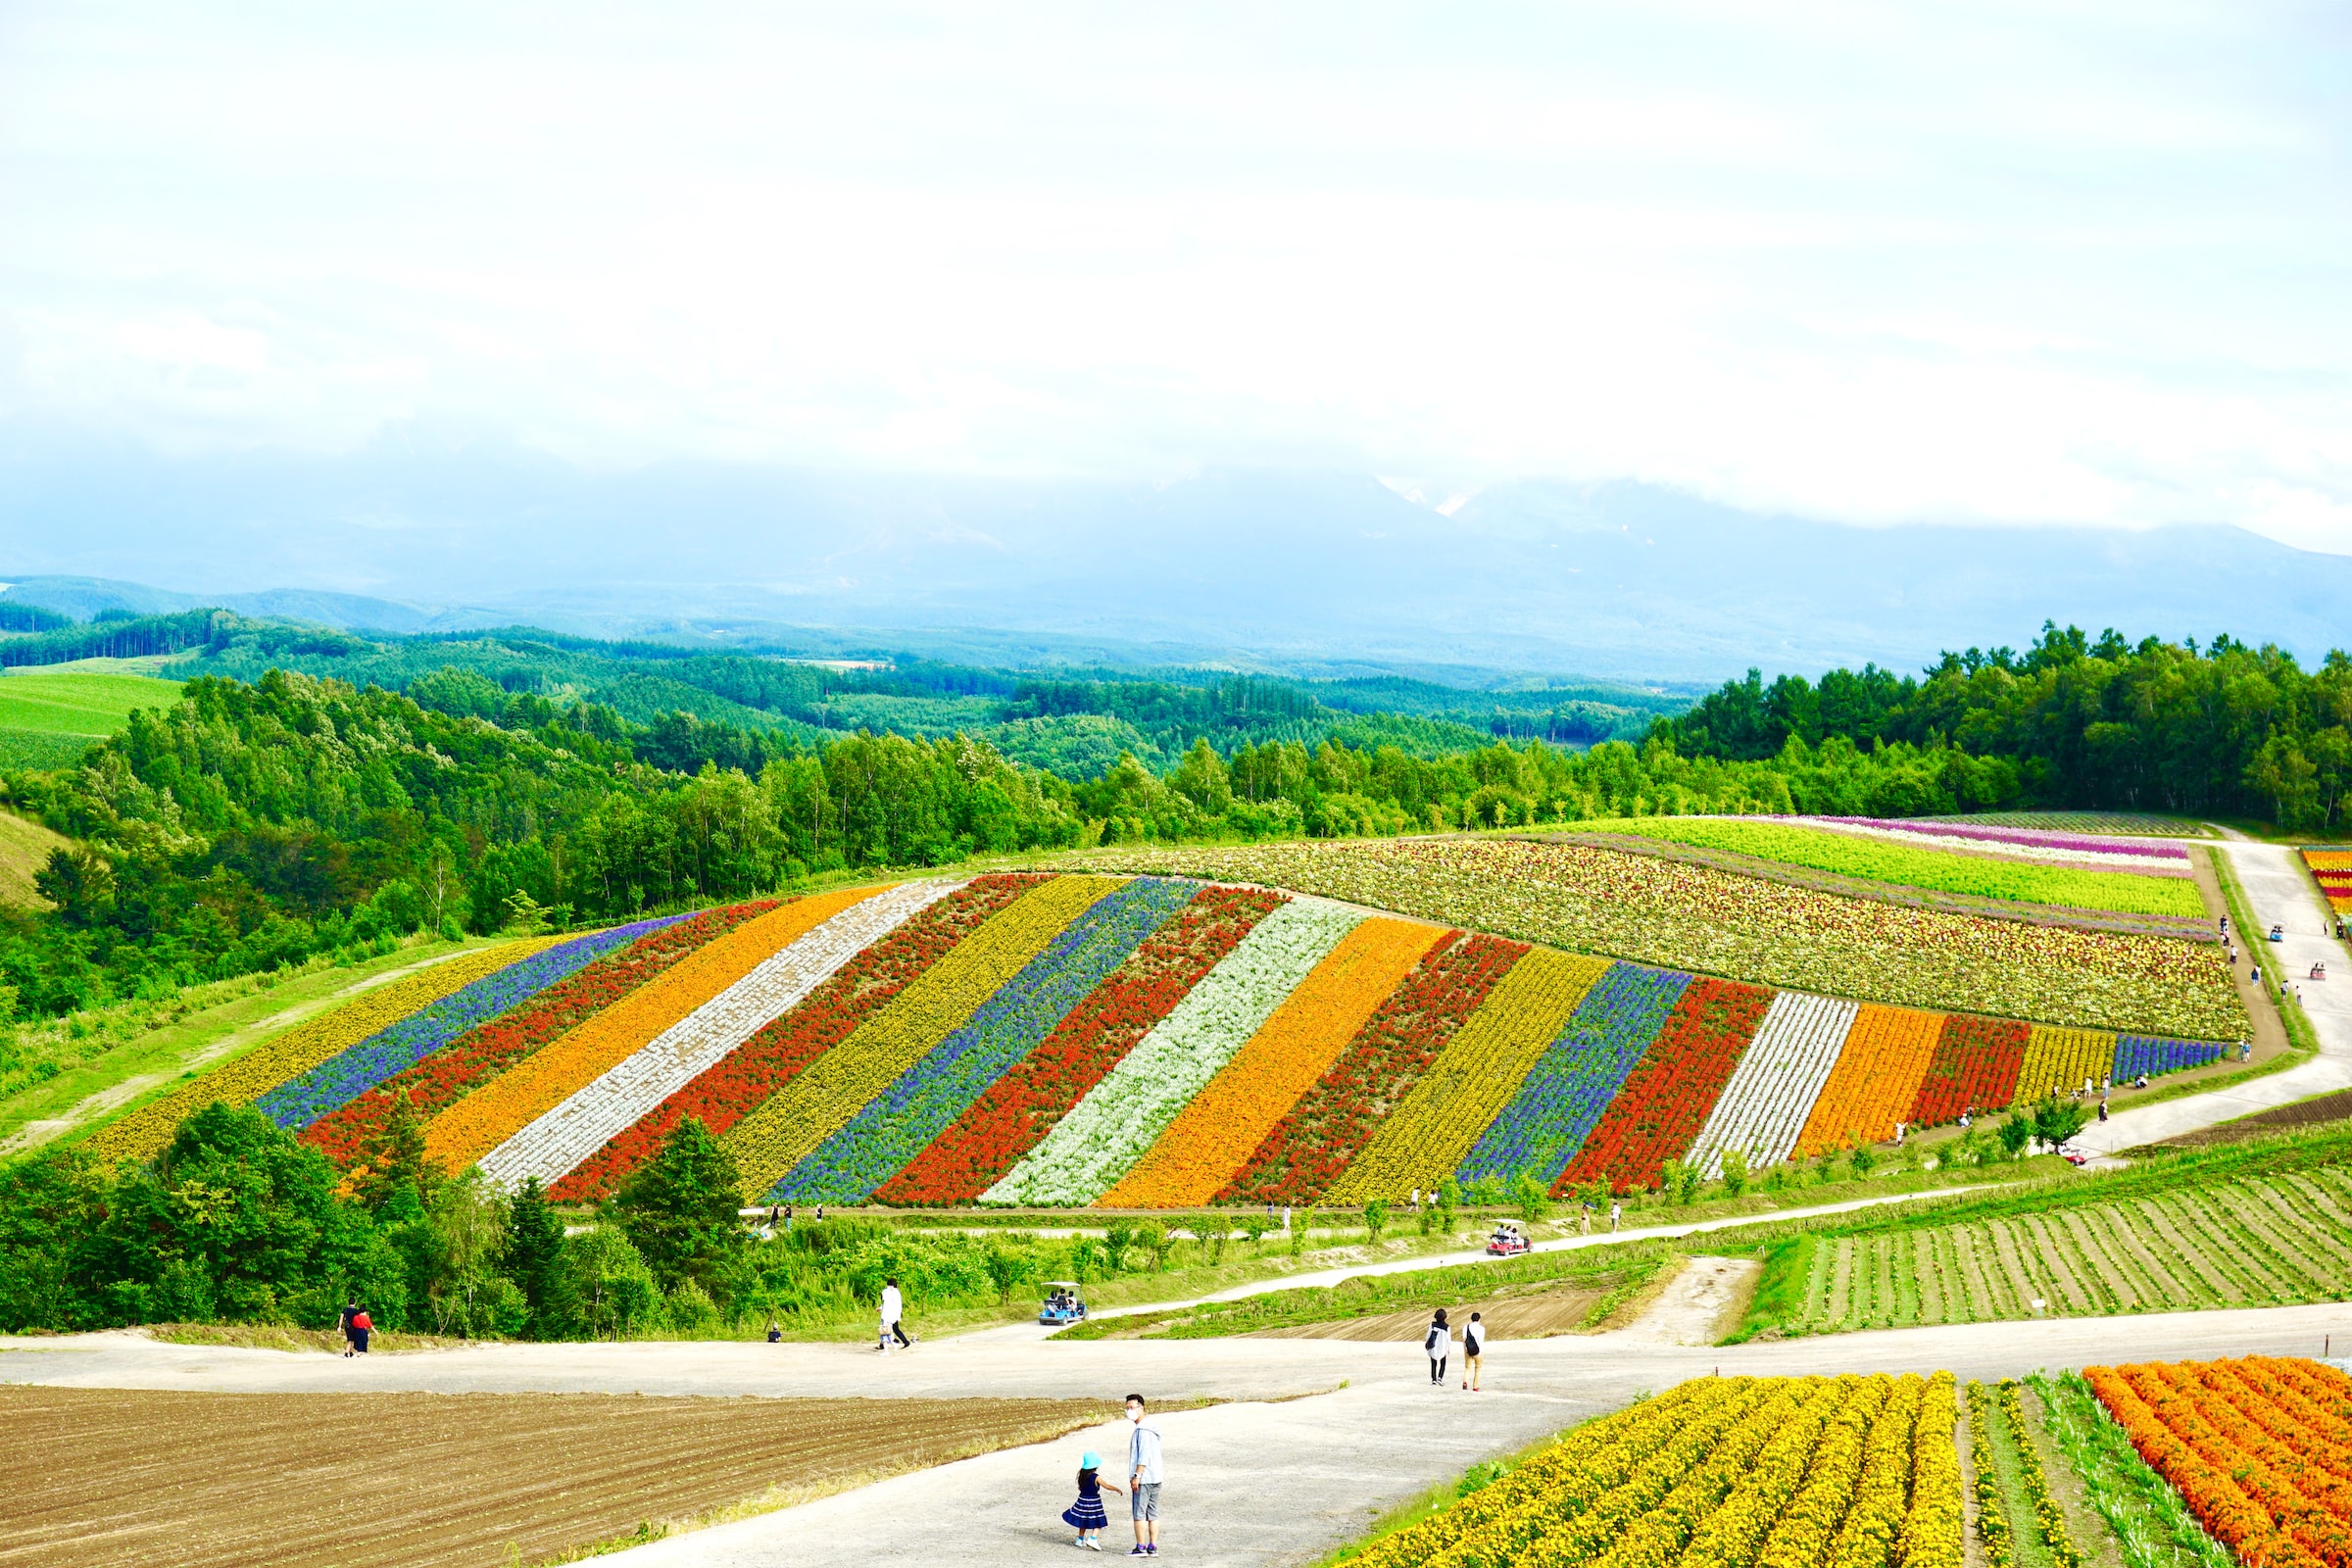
x=2225, y=730
x=236, y=1221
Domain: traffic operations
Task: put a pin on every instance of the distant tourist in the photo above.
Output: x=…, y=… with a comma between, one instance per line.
x=1085, y=1515
x=1616, y=1213
x=1143, y=1476
x=354, y=1338
x=2102, y=1110
x=1474, y=1349
x=1439, y=1344
x=1584, y=1221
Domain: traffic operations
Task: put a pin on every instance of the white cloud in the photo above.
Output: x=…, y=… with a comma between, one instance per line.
x=2030, y=263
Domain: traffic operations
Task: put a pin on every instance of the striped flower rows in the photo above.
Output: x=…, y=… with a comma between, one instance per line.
x=2331, y=869
x=556, y=1142
x=1032, y=1038
x=1780, y=1075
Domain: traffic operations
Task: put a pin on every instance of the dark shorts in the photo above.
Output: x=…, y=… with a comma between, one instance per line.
x=1144, y=1501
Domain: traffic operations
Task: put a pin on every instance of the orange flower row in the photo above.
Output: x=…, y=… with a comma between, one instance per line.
x=1885, y=1057
x=1212, y=1138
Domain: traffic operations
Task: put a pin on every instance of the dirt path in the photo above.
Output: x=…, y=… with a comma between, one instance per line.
x=1694, y=1307
x=2280, y=894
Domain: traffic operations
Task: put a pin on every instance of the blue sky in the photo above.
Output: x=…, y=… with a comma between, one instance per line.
x=2042, y=262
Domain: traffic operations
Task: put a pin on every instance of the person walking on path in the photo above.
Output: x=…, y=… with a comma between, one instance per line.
x=1584, y=1221
x=1474, y=1349
x=358, y=1333
x=1143, y=1478
x=1085, y=1515
x=351, y=1335
x=892, y=1309
x=1439, y=1343
x=1616, y=1213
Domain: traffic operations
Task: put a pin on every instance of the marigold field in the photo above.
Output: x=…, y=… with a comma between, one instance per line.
x=1149, y=1040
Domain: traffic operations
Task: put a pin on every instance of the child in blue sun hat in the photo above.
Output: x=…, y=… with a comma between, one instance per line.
x=1085, y=1515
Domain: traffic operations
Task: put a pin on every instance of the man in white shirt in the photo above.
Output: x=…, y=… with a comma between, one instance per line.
x=892, y=1309
x=1143, y=1479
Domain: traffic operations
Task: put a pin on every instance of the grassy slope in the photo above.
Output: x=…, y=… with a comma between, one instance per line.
x=24, y=847
x=1976, y=875
x=141, y=1050
x=78, y=703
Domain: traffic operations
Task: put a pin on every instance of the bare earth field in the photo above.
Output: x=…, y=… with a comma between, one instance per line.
x=156, y=1478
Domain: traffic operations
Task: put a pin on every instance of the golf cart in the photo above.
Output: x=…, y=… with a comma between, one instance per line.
x=1509, y=1240
x=1063, y=1303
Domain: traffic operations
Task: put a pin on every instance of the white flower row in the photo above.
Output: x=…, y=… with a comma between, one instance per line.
x=631, y=1089
x=2038, y=853
x=1772, y=1088
x=1108, y=1130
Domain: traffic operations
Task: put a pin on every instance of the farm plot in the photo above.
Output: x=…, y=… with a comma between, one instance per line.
x=104, y=1477
x=2267, y=1242
x=1855, y=1471
x=1682, y=916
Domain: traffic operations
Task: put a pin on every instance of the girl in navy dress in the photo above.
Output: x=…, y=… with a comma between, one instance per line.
x=1085, y=1515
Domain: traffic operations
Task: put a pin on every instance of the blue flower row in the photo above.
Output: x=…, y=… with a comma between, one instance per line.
x=1561, y=1101
x=925, y=1101
x=2139, y=1054
x=345, y=1076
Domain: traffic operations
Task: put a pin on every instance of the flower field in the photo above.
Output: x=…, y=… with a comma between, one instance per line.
x=1675, y=916
x=2072, y=848
x=2333, y=870
x=1128, y=1041
x=1850, y=1471
x=2259, y=1448
x=1988, y=867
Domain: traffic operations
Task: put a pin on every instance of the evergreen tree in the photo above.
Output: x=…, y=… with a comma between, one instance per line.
x=397, y=1165
x=680, y=1209
x=533, y=1261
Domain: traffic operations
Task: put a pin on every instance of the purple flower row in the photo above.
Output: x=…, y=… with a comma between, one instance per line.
x=2139, y=1054
x=343, y=1077
x=2019, y=835
x=1572, y=1083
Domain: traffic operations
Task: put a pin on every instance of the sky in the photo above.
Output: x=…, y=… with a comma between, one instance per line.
x=2009, y=263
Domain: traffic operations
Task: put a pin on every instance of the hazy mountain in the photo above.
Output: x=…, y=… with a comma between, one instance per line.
x=1611, y=579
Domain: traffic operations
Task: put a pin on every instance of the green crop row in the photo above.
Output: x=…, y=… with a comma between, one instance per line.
x=1878, y=860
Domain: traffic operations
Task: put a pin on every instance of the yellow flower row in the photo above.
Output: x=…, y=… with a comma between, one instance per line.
x=1473, y=1078
x=2061, y=1059
x=546, y=1078
x=144, y=1133
x=1738, y=1527
x=1212, y=1137
x=1875, y=1518
x=1658, y=1537
x=819, y=1099
x=1564, y=1477
x=1930, y=1536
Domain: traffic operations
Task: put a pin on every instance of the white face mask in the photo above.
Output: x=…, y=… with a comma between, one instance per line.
x=1135, y=1413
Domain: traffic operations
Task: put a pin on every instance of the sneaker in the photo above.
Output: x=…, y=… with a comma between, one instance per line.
x=1153, y=1550
x=1091, y=1545
x=1137, y=1550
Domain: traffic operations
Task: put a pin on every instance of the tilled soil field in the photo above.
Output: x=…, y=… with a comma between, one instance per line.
x=103, y=1475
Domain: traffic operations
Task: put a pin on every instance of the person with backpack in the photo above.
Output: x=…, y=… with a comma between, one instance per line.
x=1437, y=1342
x=1474, y=1349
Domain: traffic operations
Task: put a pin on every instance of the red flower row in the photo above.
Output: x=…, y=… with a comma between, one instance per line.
x=1305, y=1152
x=743, y=1080
x=1667, y=1098
x=1974, y=1068
x=437, y=1081
x=1019, y=1109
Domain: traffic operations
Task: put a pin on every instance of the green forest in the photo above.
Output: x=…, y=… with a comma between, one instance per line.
x=277, y=814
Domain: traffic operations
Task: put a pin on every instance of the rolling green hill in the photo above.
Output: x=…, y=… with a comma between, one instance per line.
x=48, y=716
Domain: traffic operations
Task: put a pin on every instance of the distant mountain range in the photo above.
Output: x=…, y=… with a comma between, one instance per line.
x=1306, y=573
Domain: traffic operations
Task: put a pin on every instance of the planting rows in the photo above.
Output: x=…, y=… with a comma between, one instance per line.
x=1851, y=1472
x=2260, y=1243
x=1127, y=1042
x=2053, y=872
x=1678, y=915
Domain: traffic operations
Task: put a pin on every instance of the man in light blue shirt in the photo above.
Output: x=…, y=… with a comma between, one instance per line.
x=1143, y=1479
